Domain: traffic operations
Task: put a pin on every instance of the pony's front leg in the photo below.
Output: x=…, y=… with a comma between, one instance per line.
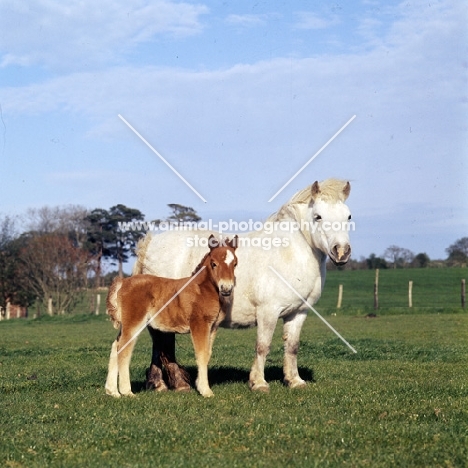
x=113, y=372
x=291, y=332
x=200, y=333
x=266, y=327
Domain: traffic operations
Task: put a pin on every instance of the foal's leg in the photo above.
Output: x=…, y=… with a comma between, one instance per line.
x=154, y=375
x=113, y=372
x=125, y=346
x=291, y=331
x=266, y=327
x=200, y=333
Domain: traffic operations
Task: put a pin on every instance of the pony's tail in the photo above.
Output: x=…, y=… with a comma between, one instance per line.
x=113, y=309
x=141, y=249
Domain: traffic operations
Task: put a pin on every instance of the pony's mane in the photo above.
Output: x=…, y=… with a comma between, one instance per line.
x=331, y=191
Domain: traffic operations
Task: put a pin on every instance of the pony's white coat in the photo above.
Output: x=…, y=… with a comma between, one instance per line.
x=260, y=298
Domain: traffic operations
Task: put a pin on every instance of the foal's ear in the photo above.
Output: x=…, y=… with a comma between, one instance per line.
x=233, y=243
x=315, y=190
x=347, y=190
x=213, y=242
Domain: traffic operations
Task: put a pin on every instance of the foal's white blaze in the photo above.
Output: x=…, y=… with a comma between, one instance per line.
x=229, y=257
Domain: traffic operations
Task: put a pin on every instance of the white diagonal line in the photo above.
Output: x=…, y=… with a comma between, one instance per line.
x=312, y=158
x=161, y=157
x=161, y=309
x=313, y=310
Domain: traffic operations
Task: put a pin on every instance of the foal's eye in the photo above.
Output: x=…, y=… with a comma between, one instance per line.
x=213, y=265
x=317, y=218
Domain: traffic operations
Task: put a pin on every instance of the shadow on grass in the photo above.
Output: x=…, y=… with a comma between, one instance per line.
x=224, y=375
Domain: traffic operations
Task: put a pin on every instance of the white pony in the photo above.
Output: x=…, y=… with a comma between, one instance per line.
x=314, y=224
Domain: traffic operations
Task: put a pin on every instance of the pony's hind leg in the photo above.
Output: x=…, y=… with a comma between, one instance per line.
x=125, y=346
x=178, y=378
x=113, y=371
x=291, y=331
x=154, y=375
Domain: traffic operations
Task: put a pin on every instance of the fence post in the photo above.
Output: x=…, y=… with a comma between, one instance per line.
x=376, y=289
x=410, y=294
x=340, y=296
x=49, y=306
x=98, y=303
x=463, y=292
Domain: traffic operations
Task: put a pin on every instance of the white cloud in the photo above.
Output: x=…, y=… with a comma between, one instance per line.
x=263, y=121
x=67, y=34
x=246, y=20
x=311, y=20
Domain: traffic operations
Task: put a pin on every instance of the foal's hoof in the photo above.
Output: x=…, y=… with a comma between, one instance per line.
x=207, y=394
x=113, y=394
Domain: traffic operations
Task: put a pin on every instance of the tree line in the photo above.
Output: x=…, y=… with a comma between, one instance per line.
x=400, y=257
x=61, y=251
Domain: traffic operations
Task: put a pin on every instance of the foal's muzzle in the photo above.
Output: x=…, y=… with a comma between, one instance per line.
x=225, y=290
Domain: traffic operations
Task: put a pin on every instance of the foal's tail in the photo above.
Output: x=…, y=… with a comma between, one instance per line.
x=113, y=310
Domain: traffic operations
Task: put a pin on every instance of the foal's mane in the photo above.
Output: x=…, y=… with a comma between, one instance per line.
x=331, y=191
x=199, y=266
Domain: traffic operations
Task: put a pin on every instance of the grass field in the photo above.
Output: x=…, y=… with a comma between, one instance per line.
x=401, y=401
x=434, y=290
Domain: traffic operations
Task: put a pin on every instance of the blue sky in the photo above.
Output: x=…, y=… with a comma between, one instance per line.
x=237, y=96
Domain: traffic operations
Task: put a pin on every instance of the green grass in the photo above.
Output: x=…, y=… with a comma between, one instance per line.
x=434, y=290
x=401, y=401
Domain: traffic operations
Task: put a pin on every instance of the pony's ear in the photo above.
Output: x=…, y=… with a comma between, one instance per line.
x=315, y=190
x=233, y=243
x=213, y=242
x=346, y=190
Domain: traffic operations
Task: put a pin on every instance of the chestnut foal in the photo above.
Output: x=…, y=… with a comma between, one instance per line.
x=193, y=304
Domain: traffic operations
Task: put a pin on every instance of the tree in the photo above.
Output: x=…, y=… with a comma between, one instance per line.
x=458, y=252
x=13, y=285
x=99, y=236
x=68, y=220
x=181, y=214
x=421, y=260
x=122, y=243
x=399, y=256
x=374, y=262
x=56, y=269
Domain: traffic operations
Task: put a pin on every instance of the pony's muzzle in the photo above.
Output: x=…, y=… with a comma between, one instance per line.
x=340, y=254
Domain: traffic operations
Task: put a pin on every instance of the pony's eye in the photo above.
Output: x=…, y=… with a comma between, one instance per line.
x=317, y=218
x=213, y=265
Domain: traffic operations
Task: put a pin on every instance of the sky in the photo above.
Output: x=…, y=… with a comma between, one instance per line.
x=237, y=96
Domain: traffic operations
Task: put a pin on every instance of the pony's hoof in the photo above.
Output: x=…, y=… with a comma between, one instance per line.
x=208, y=394
x=183, y=388
x=128, y=394
x=156, y=387
x=297, y=383
x=259, y=387
x=112, y=393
